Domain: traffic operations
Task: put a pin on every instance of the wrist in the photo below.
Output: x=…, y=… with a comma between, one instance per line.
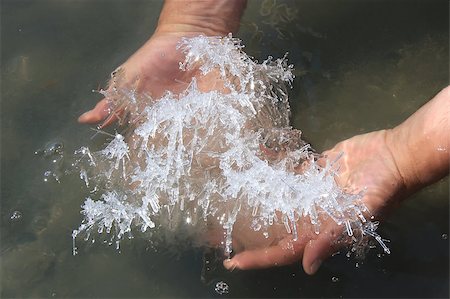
x=402, y=159
x=420, y=145
x=209, y=17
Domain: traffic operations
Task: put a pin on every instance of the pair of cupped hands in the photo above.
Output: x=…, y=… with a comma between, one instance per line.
x=367, y=163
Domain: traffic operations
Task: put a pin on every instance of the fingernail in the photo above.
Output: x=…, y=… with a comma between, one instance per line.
x=229, y=264
x=315, y=266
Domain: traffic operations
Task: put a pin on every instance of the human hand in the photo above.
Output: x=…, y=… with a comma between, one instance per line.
x=154, y=68
x=368, y=165
x=387, y=165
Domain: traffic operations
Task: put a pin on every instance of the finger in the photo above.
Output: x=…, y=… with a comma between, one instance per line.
x=317, y=250
x=285, y=252
x=261, y=258
x=112, y=118
x=99, y=113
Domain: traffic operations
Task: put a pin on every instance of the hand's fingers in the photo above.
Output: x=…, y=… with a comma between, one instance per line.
x=99, y=113
x=285, y=252
x=112, y=118
x=316, y=251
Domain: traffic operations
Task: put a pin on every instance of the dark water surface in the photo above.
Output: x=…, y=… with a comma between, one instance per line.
x=360, y=66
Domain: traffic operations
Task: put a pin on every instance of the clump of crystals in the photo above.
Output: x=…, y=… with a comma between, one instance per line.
x=214, y=154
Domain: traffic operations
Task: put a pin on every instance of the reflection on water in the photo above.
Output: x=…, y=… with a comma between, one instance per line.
x=355, y=73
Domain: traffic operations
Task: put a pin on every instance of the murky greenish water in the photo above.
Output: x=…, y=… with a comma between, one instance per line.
x=360, y=66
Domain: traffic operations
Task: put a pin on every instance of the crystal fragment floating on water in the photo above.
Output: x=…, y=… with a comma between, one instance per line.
x=224, y=153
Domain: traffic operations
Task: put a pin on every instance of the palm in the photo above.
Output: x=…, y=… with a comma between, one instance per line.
x=153, y=69
x=156, y=66
x=367, y=165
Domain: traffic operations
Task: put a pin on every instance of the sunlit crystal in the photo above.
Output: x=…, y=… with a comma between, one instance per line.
x=215, y=154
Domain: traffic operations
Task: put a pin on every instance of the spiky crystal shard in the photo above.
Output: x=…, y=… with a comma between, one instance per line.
x=212, y=155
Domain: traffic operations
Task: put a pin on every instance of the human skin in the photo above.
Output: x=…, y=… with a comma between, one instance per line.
x=389, y=164
x=154, y=68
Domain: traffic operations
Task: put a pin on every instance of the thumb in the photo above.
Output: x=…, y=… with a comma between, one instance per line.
x=287, y=251
x=318, y=250
x=99, y=113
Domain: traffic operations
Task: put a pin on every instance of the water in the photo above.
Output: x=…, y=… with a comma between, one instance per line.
x=55, y=52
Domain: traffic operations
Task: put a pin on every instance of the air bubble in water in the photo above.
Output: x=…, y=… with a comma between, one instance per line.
x=51, y=149
x=16, y=216
x=444, y=236
x=335, y=279
x=222, y=288
x=50, y=176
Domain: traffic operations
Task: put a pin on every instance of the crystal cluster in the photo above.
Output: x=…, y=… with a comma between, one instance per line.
x=208, y=156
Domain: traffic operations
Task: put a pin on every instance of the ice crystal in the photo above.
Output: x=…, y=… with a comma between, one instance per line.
x=211, y=156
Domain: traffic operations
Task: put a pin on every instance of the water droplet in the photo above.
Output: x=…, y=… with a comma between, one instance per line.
x=444, y=236
x=222, y=288
x=16, y=216
x=50, y=175
x=335, y=279
x=51, y=149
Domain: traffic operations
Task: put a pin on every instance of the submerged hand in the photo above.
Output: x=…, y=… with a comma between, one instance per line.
x=367, y=165
x=153, y=69
x=388, y=165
